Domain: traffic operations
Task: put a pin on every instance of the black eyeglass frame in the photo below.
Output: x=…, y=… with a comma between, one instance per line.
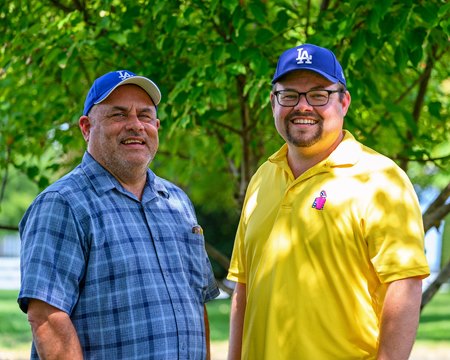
x=329, y=92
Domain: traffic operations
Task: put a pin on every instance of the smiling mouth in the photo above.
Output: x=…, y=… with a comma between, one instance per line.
x=133, y=141
x=304, y=121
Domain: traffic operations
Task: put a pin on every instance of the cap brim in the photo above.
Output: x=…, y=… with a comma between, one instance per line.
x=146, y=84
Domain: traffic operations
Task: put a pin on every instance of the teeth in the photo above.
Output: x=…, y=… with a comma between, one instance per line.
x=132, y=142
x=303, y=121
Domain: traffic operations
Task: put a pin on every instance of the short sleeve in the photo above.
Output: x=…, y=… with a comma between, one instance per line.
x=52, y=259
x=395, y=233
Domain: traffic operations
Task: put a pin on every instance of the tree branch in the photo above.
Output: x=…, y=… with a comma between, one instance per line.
x=424, y=160
x=433, y=288
x=437, y=211
x=215, y=254
x=9, y=227
x=62, y=7
x=245, y=120
x=226, y=126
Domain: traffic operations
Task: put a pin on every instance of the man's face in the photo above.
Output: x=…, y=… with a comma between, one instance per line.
x=122, y=131
x=309, y=129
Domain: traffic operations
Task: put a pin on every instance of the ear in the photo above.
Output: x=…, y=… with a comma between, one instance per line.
x=85, y=126
x=272, y=100
x=346, y=102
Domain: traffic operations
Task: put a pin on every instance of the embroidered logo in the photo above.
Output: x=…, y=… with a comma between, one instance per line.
x=303, y=57
x=319, y=202
x=124, y=75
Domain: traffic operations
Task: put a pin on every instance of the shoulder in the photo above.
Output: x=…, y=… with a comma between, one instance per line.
x=375, y=162
x=370, y=161
x=73, y=181
x=60, y=196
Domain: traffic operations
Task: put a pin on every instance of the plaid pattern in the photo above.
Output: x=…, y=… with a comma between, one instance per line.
x=132, y=275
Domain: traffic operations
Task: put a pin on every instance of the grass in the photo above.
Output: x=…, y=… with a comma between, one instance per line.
x=219, y=319
x=434, y=326
x=434, y=323
x=15, y=332
x=14, y=328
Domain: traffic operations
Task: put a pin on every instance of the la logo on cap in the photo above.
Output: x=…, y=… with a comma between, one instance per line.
x=303, y=56
x=124, y=75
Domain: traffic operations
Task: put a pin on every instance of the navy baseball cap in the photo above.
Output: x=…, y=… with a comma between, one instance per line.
x=310, y=57
x=106, y=84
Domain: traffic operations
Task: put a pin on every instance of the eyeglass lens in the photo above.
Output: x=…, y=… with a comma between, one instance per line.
x=313, y=97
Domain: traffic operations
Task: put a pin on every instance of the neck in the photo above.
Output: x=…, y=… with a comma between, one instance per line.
x=134, y=184
x=301, y=159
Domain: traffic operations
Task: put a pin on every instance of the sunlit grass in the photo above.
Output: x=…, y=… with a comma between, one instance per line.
x=434, y=324
x=435, y=319
x=14, y=328
x=15, y=332
x=219, y=317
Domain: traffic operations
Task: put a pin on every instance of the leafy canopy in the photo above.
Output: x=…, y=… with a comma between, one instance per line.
x=213, y=61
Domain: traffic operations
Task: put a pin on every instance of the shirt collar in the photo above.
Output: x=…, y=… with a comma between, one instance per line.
x=347, y=153
x=102, y=180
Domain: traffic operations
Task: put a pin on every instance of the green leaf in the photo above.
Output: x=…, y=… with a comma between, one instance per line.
x=170, y=24
x=263, y=36
x=32, y=171
x=258, y=10
x=281, y=21
x=400, y=58
x=233, y=51
x=428, y=12
x=415, y=55
x=434, y=108
x=359, y=45
x=230, y=5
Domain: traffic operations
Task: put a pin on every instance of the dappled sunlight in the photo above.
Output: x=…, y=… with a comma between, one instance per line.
x=404, y=256
x=331, y=240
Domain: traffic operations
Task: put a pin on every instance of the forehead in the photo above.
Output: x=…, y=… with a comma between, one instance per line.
x=129, y=94
x=300, y=78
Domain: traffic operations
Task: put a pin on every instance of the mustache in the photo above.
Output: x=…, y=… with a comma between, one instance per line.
x=310, y=115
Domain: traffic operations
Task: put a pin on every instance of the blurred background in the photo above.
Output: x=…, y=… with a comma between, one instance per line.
x=213, y=61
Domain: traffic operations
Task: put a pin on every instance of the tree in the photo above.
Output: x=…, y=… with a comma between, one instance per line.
x=214, y=61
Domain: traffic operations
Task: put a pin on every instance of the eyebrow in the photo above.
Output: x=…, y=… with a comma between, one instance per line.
x=125, y=109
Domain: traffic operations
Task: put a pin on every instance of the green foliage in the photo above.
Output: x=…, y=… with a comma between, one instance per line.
x=214, y=61
x=20, y=194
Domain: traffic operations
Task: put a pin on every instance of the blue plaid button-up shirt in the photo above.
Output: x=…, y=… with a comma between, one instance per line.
x=133, y=275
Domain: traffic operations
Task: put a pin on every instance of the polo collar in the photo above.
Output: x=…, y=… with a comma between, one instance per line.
x=347, y=153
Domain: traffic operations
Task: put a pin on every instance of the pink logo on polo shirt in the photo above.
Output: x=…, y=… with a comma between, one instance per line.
x=319, y=202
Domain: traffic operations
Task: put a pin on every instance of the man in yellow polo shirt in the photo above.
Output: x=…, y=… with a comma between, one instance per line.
x=329, y=254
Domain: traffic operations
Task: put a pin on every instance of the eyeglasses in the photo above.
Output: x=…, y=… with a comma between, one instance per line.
x=289, y=98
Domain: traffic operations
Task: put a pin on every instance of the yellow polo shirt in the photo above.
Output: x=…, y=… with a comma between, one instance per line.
x=316, y=253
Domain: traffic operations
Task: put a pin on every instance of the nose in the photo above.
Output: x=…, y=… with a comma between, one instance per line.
x=303, y=104
x=133, y=122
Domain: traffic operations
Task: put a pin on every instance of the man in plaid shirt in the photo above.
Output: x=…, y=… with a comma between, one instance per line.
x=113, y=264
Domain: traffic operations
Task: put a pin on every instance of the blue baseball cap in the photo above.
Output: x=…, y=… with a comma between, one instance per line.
x=106, y=84
x=310, y=57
